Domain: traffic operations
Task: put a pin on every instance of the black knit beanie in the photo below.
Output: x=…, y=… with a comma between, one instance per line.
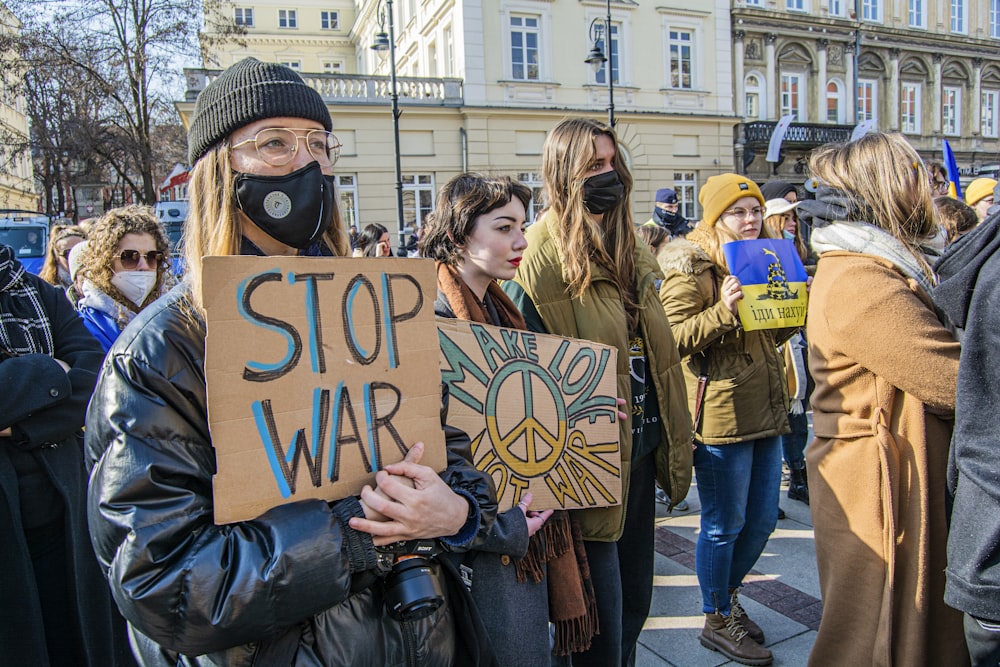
x=246, y=92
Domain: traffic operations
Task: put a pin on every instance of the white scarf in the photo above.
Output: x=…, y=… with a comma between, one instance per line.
x=865, y=238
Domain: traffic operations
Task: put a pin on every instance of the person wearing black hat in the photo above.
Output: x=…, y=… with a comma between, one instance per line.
x=666, y=213
x=300, y=584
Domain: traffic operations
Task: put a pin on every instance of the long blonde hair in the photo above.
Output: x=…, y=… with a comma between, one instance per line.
x=886, y=181
x=775, y=225
x=50, y=269
x=570, y=149
x=213, y=223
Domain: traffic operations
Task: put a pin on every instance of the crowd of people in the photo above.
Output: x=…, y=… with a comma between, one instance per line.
x=106, y=459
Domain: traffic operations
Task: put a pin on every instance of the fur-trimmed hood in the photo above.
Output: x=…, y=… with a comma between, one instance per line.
x=683, y=256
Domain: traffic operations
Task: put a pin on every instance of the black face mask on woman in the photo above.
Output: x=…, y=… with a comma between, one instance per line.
x=295, y=209
x=602, y=192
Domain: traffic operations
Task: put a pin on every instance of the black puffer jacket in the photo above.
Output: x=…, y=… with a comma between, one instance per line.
x=295, y=582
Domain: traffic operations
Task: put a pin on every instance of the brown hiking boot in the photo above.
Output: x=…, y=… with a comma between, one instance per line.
x=737, y=610
x=727, y=635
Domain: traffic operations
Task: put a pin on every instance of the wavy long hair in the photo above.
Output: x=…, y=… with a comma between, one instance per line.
x=459, y=203
x=50, y=269
x=569, y=151
x=102, y=246
x=887, y=183
x=213, y=224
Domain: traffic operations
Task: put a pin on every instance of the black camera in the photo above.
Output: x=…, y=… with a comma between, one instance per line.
x=412, y=584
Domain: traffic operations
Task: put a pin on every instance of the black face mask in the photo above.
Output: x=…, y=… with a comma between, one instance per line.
x=602, y=192
x=295, y=209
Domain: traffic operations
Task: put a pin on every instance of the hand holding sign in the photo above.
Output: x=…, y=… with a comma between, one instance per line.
x=732, y=292
x=535, y=520
x=425, y=510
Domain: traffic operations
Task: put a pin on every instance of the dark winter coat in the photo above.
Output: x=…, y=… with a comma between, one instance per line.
x=296, y=577
x=43, y=488
x=969, y=293
x=510, y=610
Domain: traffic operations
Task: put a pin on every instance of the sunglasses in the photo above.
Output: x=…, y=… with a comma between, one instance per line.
x=130, y=258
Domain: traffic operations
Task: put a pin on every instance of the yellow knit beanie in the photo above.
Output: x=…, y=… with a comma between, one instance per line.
x=979, y=188
x=719, y=193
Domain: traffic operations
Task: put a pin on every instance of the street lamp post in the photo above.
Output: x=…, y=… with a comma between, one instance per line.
x=383, y=43
x=596, y=57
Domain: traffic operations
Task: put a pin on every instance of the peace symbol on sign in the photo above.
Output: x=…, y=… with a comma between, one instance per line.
x=530, y=448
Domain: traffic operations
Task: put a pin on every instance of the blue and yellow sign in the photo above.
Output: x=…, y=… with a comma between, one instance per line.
x=774, y=283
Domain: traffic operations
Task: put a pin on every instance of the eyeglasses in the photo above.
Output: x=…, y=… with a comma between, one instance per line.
x=744, y=213
x=277, y=145
x=130, y=258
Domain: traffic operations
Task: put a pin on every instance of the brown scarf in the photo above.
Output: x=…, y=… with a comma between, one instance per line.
x=559, y=545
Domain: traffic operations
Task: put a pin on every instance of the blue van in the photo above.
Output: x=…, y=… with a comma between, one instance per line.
x=28, y=235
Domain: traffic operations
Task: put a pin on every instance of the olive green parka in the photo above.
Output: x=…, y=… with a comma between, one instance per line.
x=746, y=396
x=599, y=316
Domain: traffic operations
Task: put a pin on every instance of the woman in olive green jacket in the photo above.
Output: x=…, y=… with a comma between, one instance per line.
x=583, y=276
x=738, y=455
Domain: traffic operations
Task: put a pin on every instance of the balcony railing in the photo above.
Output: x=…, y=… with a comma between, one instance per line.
x=799, y=135
x=358, y=89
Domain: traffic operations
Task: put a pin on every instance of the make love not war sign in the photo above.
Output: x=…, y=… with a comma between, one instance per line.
x=541, y=411
x=774, y=283
x=320, y=371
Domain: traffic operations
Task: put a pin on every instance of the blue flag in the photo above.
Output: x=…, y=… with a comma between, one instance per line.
x=954, y=185
x=774, y=283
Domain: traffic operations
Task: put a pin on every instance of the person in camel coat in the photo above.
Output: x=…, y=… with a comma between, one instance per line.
x=885, y=369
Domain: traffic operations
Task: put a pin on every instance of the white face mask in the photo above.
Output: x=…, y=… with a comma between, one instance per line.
x=64, y=276
x=134, y=285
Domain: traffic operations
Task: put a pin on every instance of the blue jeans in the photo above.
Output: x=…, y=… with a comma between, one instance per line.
x=738, y=488
x=794, y=444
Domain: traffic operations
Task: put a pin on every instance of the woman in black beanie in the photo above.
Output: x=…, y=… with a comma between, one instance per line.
x=298, y=585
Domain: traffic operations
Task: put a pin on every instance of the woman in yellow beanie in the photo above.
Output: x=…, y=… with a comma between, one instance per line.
x=739, y=413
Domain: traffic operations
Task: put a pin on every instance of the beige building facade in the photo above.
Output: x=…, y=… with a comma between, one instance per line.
x=481, y=82
x=927, y=68
x=17, y=188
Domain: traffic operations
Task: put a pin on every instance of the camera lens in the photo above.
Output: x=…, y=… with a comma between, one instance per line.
x=413, y=589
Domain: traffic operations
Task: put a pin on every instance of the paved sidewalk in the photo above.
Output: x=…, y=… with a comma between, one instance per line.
x=781, y=594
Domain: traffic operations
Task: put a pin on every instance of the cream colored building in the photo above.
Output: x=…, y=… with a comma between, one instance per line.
x=927, y=68
x=480, y=84
x=17, y=188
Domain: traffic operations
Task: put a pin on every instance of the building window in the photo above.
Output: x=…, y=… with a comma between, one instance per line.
x=753, y=3
x=244, y=16
x=329, y=20
x=909, y=108
x=995, y=18
x=793, y=96
x=448, y=38
x=614, y=55
x=871, y=10
x=293, y=64
x=918, y=16
x=418, y=198
x=333, y=66
x=288, y=18
x=836, y=7
x=834, y=102
x=347, y=192
x=524, y=53
x=432, y=59
x=534, y=181
x=867, y=99
x=681, y=58
x=795, y=5
x=959, y=16
x=753, y=91
x=951, y=109
x=990, y=106
x=685, y=184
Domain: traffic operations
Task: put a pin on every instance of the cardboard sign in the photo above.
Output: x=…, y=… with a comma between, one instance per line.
x=774, y=283
x=320, y=371
x=541, y=411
